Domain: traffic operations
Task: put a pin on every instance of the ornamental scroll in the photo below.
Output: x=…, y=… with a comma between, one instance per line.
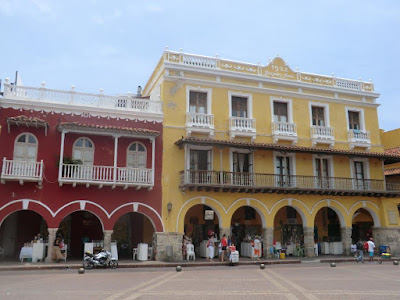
x=277, y=68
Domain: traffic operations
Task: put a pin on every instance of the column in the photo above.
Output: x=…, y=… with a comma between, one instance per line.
x=346, y=233
x=226, y=231
x=51, y=237
x=60, y=166
x=115, y=158
x=167, y=246
x=153, y=156
x=107, y=239
x=268, y=241
x=309, y=241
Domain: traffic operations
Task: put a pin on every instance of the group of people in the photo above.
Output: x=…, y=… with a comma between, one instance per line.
x=368, y=246
x=225, y=247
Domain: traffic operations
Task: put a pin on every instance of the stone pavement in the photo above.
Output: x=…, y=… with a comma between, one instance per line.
x=200, y=262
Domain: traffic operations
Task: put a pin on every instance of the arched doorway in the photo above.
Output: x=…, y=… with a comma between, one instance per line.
x=200, y=222
x=77, y=228
x=246, y=224
x=19, y=228
x=288, y=231
x=327, y=232
x=130, y=230
x=362, y=225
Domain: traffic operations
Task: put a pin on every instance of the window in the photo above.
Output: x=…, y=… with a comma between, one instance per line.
x=239, y=107
x=322, y=172
x=284, y=171
x=198, y=102
x=354, y=120
x=200, y=159
x=25, y=148
x=242, y=167
x=360, y=171
x=83, y=150
x=281, y=112
x=136, y=156
x=318, y=116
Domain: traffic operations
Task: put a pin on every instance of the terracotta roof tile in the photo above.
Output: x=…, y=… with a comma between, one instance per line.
x=290, y=148
x=103, y=128
x=394, y=171
x=393, y=151
x=23, y=118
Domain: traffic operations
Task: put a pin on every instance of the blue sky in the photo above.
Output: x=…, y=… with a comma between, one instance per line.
x=115, y=45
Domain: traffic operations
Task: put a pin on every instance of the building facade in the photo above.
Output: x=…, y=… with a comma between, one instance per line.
x=86, y=166
x=294, y=157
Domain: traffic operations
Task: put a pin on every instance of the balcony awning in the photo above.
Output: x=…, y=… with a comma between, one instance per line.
x=388, y=158
x=27, y=121
x=102, y=129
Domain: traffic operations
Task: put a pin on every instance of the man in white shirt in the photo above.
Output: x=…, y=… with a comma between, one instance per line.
x=371, y=247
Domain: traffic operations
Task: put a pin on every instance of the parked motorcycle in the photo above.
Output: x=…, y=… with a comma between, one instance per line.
x=102, y=259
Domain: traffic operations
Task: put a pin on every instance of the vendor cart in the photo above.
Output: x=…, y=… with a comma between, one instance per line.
x=234, y=258
x=385, y=252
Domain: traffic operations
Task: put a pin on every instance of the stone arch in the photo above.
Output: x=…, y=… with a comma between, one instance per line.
x=211, y=202
x=298, y=205
x=141, y=208
x=27, y=204
x=369, y=206
x=257, y=205
x=336, y=206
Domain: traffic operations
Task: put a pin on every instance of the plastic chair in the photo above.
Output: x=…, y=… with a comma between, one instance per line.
x=134, y=253
x=190, y=252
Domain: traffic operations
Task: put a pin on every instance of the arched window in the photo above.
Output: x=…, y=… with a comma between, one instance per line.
x=25, y=147
x=83, y=150
x=136, y=156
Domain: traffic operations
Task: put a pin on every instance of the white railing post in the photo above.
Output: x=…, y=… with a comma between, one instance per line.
x=42, y=93
x=115, y=158
x=153, y=150
x=61, y=162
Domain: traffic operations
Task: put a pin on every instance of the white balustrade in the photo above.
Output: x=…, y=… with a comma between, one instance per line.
x=42, y=94
x=283, y=128
x=242, y=124
x=199, y=120
x=359, y=136
x=322, y=132
x=105, y=174
x=348, y=84
x=14, y=169
x=199, y=61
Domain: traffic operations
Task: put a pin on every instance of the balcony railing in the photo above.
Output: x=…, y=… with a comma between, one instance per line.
x=106, y=175
x=21, y=171
x=322, y=133
x=127, y=103
x=284, y=129
x=199, y=120
x=242, y=124
x=273, y=182
x=359, y=136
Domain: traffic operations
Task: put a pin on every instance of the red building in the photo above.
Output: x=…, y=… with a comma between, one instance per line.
x=87, y=166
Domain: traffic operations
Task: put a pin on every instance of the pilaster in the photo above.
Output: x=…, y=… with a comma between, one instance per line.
x=51, y=237
x=389, y=236
x=346, y=233
x=107, y=239
x=226, y=231
x=268, y=241
x=167, y=246
x=309, y=241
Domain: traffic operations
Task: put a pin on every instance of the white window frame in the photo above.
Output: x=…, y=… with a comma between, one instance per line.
x=365, y=162
x=26, y=133
x=190, y=88
x=282, y=100
x=84, y=137
x=293, y=161
x=127, y=153
x=325, y=106
x=205, y=148
x=240, y=151
x=361, y=114
x=243, y=95
x=330, y=164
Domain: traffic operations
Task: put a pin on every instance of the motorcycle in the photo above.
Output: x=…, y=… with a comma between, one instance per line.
x=102, y=259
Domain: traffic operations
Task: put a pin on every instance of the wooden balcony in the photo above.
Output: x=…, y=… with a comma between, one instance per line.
x=106, y=176
x=218, y=181
x=22, y=171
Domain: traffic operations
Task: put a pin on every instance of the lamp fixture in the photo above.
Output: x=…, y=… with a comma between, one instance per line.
x=169, y=206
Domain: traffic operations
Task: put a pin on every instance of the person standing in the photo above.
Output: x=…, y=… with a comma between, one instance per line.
x=371, y=248
x=360, y=251
x=224, y=244
x=210, y=247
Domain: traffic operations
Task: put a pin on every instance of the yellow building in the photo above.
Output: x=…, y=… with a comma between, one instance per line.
x=252, y=150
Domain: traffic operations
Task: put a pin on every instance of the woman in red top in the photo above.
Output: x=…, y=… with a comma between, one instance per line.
x=224, y=244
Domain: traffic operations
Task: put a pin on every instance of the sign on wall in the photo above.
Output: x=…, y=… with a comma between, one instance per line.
x=208, y=215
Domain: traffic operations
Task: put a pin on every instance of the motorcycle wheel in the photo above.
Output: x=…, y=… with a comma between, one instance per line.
x=113, y=264
x=87, y=264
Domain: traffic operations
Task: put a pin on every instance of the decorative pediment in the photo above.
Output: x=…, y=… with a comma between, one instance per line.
x=278, y=68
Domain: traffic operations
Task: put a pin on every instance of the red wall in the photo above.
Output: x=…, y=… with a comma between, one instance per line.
x=54, y=196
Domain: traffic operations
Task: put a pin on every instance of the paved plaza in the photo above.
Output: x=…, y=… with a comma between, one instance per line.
x=300, y=281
